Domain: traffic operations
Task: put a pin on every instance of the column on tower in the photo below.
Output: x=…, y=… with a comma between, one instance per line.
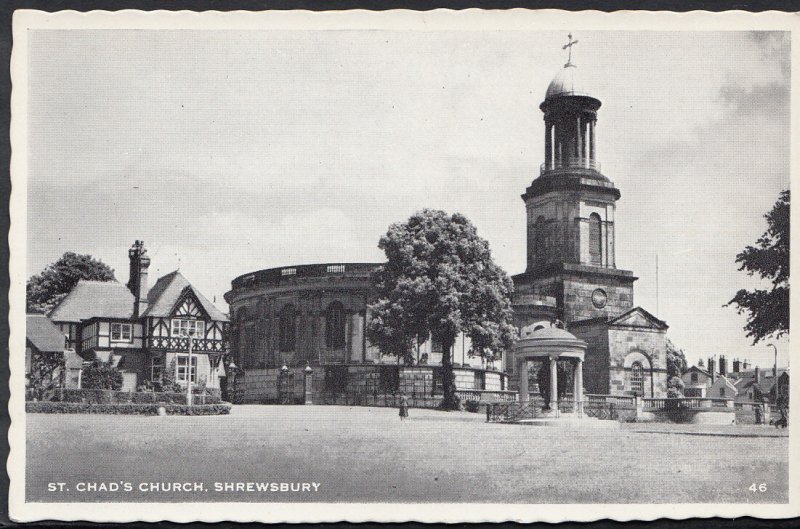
x=593, y=142
x=548, y=145
x=578, y=139
x=586, y=141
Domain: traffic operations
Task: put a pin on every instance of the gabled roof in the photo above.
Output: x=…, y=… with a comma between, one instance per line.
x=89, y=299
x=43, y=335
x=723, y=380
x=638, y=317
x=699, y=370
x=169, y=290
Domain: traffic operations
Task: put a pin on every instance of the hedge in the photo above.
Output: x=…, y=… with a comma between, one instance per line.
x=127, y=409
x=107, y=396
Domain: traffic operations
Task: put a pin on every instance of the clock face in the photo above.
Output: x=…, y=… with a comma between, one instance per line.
x=599, y=298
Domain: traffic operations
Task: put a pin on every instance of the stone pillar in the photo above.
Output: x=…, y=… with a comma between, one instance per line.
x=586, y=141
x=523, y=380
x=578, y=381
x=308, y=384
x=578, y=137
x=593, y=142
x=553, y=384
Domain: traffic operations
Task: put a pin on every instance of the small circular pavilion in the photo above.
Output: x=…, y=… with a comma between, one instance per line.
x=548, y=345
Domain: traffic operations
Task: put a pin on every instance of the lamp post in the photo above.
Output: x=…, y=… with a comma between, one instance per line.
x=284, y=384
x=190, y=336
x=775, y=365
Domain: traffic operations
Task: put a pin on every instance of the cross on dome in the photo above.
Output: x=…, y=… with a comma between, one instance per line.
x=568, y=46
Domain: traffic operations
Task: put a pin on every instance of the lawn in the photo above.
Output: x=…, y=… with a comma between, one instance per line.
x=369, y=455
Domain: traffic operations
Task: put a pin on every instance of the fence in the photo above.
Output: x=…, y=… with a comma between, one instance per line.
x=473, y=398
x=686, y=403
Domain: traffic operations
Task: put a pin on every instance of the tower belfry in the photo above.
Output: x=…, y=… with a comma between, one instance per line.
x=570, y=209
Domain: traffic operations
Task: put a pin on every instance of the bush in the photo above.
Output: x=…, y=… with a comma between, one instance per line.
x=105, y=396
x=127, y=409
x=101, y=375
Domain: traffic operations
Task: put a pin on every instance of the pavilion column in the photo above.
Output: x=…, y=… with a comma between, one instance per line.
x=592, y=142
x=578, y=137
x=553, y=383
x=523, y=380
x=578, y=392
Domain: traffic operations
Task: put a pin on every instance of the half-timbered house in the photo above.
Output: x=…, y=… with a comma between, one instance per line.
x=145, y=331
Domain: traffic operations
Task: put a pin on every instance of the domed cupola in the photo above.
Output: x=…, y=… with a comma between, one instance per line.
x=570, y=115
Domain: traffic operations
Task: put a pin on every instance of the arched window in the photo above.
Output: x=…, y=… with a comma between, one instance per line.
x=694, y=377
x=637, y=378
x=595, y=240
x=722, y=392
x=334, y=326
x=286, y=328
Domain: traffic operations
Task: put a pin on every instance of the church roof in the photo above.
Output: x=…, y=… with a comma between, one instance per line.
x=567, y=82
x=168, y=290
x=89, y=299
x=43, y=335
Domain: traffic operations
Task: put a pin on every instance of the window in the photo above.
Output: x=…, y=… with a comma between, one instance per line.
x=334, y=325
x=196, y=328
x=637, y=379
x=286, y=328
x=694, y=377
x=121, y=332
x=480, y=380
x=595, y=240
x=182, y=362
x=156, y=368
x=722, y=392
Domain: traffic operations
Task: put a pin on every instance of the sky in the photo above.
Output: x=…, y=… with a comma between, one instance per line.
x=233, y=151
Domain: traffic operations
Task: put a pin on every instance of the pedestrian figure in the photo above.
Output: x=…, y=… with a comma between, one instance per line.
x=403, y=406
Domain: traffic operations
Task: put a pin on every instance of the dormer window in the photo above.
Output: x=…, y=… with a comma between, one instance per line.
x=196, y=328
x=121, y=332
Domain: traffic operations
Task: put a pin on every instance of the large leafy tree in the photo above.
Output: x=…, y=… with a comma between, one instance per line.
x=46, y=289
x=439, y=281
x=676, y=366
x=767, y=309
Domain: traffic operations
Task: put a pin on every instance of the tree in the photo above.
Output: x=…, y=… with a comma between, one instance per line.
x=44, y=368
x=167, y=382
x=101, y=375
x=767, y=310
x=439, y=281
x=46, y=289
x=676, y=366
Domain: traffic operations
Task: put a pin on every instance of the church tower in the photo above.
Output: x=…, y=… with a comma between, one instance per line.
x=570, y=211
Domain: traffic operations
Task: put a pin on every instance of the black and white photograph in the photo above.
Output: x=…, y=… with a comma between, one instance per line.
x=443, y=266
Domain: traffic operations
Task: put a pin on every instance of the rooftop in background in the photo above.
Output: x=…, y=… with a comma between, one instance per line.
x=43, y=335
x=168, y=290
x=110, y=299
x=274, y=276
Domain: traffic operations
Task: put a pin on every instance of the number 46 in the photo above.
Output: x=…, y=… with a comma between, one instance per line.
x=758, y=488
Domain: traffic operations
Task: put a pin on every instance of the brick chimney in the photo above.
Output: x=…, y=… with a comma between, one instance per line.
x=758, y=375
x=712, y=368
x=745, y=365
x=737, y=365
x=723, y=365
x=137, y=282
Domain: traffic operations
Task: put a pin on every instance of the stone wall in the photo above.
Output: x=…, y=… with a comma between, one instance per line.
x=627, y=344
x=596, y=359
x=577, y=298
x=262, y=385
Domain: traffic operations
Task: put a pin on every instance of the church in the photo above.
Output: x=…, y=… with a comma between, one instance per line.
x=315, y=315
